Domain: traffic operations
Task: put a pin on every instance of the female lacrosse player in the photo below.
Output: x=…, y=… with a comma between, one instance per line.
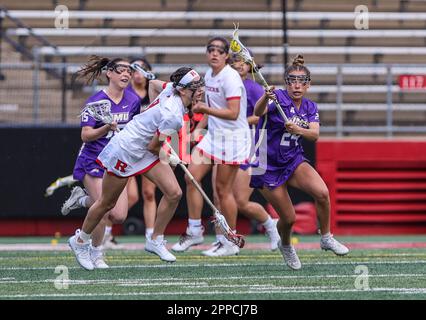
x=286, y=165
x=226, y=143
x=96, y=135
x=139, y=87
x=241, y=188
x=136, y=150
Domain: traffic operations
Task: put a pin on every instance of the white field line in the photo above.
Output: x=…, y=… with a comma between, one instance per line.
x=213, y=265
x=289, y=290
x=181, y=281
x=271, y=254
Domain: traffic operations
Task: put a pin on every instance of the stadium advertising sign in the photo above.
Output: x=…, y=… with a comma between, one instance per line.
x=412, y=81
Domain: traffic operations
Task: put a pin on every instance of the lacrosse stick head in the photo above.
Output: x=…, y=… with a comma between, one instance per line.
x=238, y=49
x=99, y=110
x=220, y=222
x=147, y=74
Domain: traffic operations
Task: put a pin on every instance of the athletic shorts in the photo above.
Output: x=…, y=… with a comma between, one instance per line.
x=274, y=178
x=87, y=165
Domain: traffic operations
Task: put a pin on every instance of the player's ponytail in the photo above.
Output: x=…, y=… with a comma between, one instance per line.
x=94, y=67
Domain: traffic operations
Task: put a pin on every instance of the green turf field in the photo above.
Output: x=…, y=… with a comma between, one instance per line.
x=394, y=273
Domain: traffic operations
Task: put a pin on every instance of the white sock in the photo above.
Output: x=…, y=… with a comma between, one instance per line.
x=269, y=224
x=159, y=238
x=84, y=236
x=194, y=223
x=326, y=236
x=149, y=232
x=83, y=201
x=108, y=230
x=195, y=227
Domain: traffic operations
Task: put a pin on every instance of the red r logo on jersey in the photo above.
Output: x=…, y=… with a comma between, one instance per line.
x=120, y=165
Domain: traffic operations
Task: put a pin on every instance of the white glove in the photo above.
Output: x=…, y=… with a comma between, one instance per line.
x=173, y=160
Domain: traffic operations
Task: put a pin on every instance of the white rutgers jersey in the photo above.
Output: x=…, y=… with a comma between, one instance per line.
x=129, y=146
x=226, y=141
x=161, y=116
x=221, y=88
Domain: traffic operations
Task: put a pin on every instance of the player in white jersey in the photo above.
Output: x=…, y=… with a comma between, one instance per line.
x=228, y=139
x=227, y=144
x=136, y=150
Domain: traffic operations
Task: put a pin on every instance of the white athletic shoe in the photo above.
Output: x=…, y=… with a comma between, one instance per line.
x=97, y=257
x=158, y=247
x=290, y=256
x=59, y=183
x=210, y=252
x=81, y=251
x=225, y=249
x=72, y=202
x=274, y=236
x=188, y=239
x=109, y=242
x=332, y=244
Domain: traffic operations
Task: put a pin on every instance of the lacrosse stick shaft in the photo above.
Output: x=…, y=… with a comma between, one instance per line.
x=244, y=53
x=266, y=86
x=191, y=177
x=219, y=218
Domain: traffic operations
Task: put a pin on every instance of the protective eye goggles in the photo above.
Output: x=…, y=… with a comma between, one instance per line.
x=193, y=85
x=291, y=79
x=120, y=68
x=211, y=48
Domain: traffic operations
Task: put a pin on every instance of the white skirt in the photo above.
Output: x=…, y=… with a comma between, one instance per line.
x=226, y=146
x=119, y=162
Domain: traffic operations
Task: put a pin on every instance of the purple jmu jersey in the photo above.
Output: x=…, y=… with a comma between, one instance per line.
x=144, y=100
x=282, y=146
x=122, y=113
x=254, y=92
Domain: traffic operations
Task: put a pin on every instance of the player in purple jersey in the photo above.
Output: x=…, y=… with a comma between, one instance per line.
x=241, y=188
x=139, y=87
x=96, y=135
x=136, y=150
x=286, y=164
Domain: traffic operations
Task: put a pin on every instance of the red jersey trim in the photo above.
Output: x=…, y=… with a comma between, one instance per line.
x=136, y=174
x=152, y=165
x=233, y=98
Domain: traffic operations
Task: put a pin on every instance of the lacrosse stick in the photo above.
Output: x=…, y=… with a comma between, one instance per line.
x=238, y=48
x=147, y=74
x=100, y=110
x=219, y=219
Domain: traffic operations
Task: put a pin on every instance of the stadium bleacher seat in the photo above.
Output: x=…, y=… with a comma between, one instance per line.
x=171, y=33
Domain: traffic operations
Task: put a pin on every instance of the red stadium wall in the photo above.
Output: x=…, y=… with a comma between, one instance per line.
x=376, y=186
